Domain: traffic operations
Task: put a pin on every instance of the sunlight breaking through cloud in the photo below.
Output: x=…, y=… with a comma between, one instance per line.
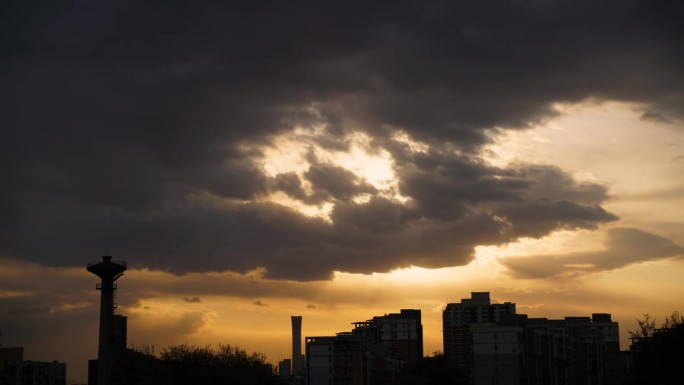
x=297, y=151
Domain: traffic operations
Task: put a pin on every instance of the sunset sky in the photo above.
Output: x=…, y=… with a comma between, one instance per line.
x=335, y=160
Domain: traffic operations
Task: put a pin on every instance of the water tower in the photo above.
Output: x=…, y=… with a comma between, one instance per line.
x=109, y=272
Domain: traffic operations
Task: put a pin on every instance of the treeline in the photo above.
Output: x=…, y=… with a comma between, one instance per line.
x=185, y=364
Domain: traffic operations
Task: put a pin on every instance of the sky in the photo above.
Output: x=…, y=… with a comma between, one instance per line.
x=335, y=160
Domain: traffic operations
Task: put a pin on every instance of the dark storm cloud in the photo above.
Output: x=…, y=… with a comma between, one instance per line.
x=290, y=184
x=119, y=115
x=623, y=247
x=336, y=182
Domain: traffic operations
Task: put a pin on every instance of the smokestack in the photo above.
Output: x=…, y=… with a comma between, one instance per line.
x=296, y=344
x=109, y=272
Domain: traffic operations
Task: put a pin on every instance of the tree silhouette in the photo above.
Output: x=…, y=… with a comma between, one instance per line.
x=673, y=320
x=227, y=365
x=185, y=364
x=646, y=328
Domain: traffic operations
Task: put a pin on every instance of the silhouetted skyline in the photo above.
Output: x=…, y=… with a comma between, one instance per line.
x=334, y=160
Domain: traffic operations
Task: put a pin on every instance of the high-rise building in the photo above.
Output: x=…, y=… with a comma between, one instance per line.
x=296, y=345
x=490, y=344
x=497, y=354
x=457, y=320
x=374, y=352
x=320, y=359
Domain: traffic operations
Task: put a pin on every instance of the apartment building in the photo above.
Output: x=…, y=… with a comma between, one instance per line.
x=373, y=352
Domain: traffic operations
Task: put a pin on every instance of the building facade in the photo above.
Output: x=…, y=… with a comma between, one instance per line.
x=491, y=344
x=497, y=354
x=574, y=350
x=457, y=320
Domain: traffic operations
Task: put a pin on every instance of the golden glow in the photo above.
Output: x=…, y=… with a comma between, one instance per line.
x=603, y=143
x=320, y=211
x=606, y=142
x=291, y=152
x=402, y=137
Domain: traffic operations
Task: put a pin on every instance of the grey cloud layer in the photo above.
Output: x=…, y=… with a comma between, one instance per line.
x=118, y=112
x=623, y=247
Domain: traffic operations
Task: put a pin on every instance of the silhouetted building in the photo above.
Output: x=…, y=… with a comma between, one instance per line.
x=297, y=366
x=11, y=361
x=490, y=344
x=15, y=371
x=109, y=341
x=497, y=354
x=119, y=335
x=658, y=358
x=43, y=373
x=285, y=367
x=374, y=352
x=573, y=351
x=320, y=359
x=457, y=319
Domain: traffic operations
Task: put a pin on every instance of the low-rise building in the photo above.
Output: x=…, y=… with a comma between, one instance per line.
x=43, y=373
x=14, y=370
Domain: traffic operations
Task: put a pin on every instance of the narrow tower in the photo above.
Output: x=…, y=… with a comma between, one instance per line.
x=296, y=344
x=109, y=272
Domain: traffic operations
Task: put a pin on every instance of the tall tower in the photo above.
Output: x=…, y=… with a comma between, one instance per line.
x=296, y=344
x=109, y=272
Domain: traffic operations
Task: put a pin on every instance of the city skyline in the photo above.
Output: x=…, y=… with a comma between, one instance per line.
x=155, y=339
x=335, y=161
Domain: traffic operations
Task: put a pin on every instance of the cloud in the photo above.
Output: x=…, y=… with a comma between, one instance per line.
x=455, y=204
x=157, y=328
x=192, y=299
x=144, y=140
x=652, y=116
x=336, y=182
x=623, y=247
